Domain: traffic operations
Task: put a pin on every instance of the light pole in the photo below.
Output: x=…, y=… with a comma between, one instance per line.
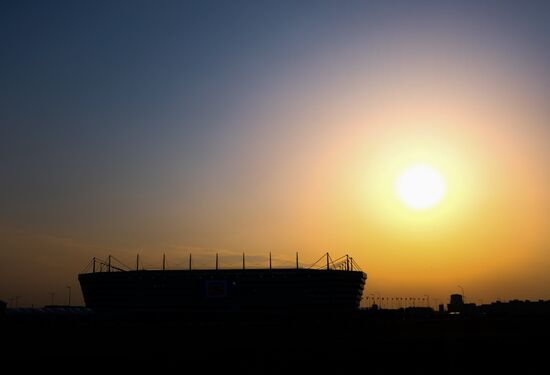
x=379, y=299
x=68, y=287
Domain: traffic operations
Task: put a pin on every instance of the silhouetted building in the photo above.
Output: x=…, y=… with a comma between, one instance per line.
x=295, y=289
x=457, y=300
x=457, y=305
x=516, y=307
x=3, y=307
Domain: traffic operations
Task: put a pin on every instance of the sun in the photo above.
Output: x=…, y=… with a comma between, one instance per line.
x=420, y=187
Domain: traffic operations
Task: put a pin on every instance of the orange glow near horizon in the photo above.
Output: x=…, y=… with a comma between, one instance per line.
x=489, y=228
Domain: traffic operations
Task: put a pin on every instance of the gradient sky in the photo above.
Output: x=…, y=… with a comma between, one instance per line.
x=169, y=127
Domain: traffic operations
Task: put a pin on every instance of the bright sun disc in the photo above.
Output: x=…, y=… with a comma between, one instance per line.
x=420, y=187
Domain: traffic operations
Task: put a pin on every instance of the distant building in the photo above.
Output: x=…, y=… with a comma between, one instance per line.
x=3, y=306
x=457, y=300
x=516, y=307
x=457, y=305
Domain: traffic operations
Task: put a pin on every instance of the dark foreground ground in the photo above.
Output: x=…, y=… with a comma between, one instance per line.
x=367, y=342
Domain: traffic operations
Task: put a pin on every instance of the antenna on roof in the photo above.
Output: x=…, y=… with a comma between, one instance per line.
x=164, y=262
x=297, y=260
x=216, y=261
x=270, y=260
x=243, y=260
x=137, y=262
x=189, y=261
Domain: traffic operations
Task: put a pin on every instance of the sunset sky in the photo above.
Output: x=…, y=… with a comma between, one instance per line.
x=173, y=127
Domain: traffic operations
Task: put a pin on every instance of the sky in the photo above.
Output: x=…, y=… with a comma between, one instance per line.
x=203, y=127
